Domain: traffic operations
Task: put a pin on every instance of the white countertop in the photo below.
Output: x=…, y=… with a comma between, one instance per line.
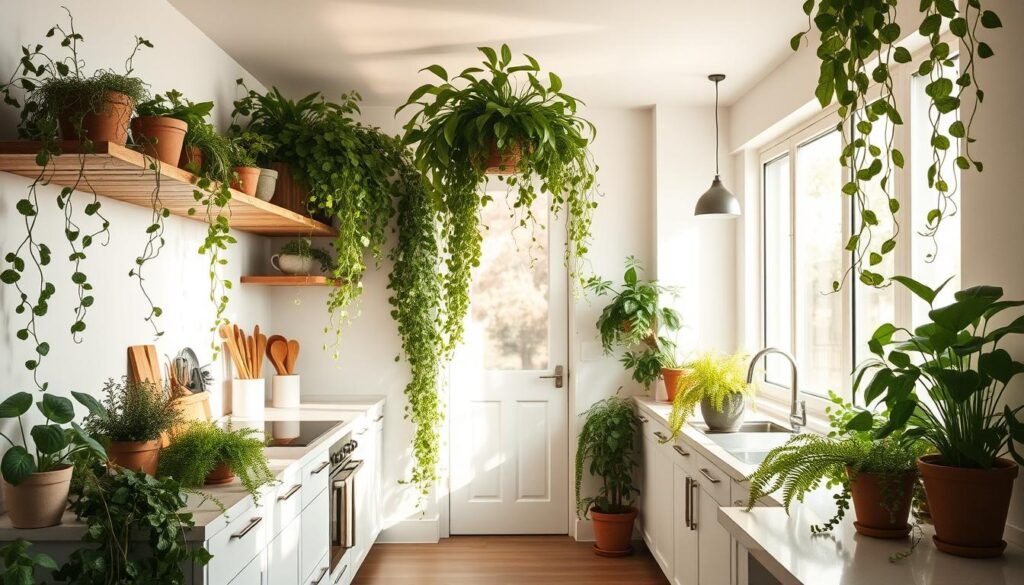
x=208, y=517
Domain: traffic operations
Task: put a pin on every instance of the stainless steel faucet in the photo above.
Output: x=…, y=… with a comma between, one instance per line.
x=797, y=407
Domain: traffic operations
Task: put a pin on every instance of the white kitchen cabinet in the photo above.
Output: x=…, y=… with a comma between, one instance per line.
x=714, y=544
x=656, y=512
x=283, y=555
x=253, y=574
x=685, y=538
x=314, y=534
x=243, y=539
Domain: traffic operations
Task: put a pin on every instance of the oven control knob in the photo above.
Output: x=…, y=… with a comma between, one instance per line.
x=354, y=444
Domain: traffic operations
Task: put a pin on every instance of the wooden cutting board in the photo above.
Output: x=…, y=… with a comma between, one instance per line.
x=143, y=364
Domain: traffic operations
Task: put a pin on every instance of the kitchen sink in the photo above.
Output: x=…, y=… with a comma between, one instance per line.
x=754, y=426
x=752, y=441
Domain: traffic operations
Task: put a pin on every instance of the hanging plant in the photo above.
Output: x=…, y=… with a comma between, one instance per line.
x=61, y=99
x=857, y=50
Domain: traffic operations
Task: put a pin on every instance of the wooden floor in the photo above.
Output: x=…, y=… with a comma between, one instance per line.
x=504, y=560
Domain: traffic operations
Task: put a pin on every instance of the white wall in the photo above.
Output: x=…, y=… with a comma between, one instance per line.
x=185, y=59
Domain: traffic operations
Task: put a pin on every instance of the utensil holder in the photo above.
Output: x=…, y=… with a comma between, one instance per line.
x=248, y=398
x=285, y=391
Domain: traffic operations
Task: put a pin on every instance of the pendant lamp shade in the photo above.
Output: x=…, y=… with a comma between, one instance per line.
x=717, y=201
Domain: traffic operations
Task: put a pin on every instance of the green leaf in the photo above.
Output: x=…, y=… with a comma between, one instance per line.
x=556, y=82
x=56, y=408
x=794, y=42
x=921, y=290
x=83, y=438
x=862, y=421
x=881, y=337
x=970, y=304
x=902, y=55
x=15, y=405
x=437, y=70
x=17, y=465
x=990, y=19
x=985, y=51
x=998, y=365
x=9, y=276
x=89, y=402
x=958, y=26
x=488, y=52
x=49, y=439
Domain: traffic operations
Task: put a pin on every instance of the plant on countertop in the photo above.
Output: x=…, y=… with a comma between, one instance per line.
x=713, y=380
x=197, y=451
x=60, y=94
x=17, y=566
x=634, y=317
x=303, y=247
x=808, y=460
x=857, y=49
x=608, y=440
x=131, y=411
x=124, y=510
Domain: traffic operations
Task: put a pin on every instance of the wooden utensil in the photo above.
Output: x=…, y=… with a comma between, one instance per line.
x=143, y=365
x=277, y=351
x=261, y=350
x=257, y=355
x=227, y=334
x=293, y=354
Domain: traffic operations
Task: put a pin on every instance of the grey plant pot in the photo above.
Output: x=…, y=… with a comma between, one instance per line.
x=731, y=416
x=266, y=184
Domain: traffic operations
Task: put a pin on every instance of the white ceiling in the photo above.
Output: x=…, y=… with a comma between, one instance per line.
x=608, y=52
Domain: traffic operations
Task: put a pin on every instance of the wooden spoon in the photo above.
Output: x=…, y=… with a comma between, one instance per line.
x=227, y=334
x=261, y=350
x=293, y=354
x=278, y=353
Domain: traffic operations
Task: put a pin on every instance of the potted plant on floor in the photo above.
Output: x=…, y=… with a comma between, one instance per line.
x=878, y=474
x=608, y=441
x=132, y=420
x=956, y=360
x=163, y=122
x=36, y=484
x=718, y=383
x=633, y=319
x=206, y=454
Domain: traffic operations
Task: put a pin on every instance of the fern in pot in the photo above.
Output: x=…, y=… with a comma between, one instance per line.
x=718, y=384
x=956, y=360
x=608, y=441
x=206, y=454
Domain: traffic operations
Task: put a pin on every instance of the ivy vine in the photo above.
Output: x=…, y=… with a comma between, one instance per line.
x=857, y=49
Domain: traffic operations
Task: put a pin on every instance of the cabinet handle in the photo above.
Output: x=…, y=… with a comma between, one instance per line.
x=686, y=503
x=376, y=420
x=642, y=418
x=253, y=522
x=661, y=436
x=681, y=451
x=322, y=467
x=341, y=574
x=689, y=498
x=361, y=431
x=709, y=477
x=289, y=493
x=320, y=577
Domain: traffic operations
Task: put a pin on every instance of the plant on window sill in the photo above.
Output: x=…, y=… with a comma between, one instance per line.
x=852, y=36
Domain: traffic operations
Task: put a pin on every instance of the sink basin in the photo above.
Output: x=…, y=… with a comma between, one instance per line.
x=750, y=457
x=754, y=426
x=752, y=441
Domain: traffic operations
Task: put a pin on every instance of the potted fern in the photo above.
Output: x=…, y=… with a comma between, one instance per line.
x=718, y=384
x=879, y=475
x=206, y=454
x=957, y=361
x=608, y=441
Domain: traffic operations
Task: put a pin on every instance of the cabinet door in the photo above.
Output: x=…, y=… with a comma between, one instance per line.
x=283, y=555
x=315, y=530
x=657, y=501
x=684, y=562
x=252, y=574
x=714, y=544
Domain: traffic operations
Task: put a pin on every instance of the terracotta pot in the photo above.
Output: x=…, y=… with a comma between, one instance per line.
x=136, y=455
x=109, y=124
x=502, y=163
x=191, y=155
x=675, y=380
x=248, y=179
x=220, y=475
x=968, y=506
x=40, y=500
x=613, y=532
x=882, y=502
x=160, y=137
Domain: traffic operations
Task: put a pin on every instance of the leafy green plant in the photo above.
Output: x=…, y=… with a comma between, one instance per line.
x=808, y=460
x=19, y=566
x=713, y=377
x=193, y=454
x=608, y=440
x=58, y=88
x=173, y=104
x=956, y=360
x=249, y=148
x=132, y=411
x=135, y=530
x=304, y=247
x=634, y=317
x=857, y=49
x=55, y=444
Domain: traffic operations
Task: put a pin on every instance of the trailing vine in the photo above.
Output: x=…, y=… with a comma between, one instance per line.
x=154, y=243
x=58, y=95
x=856, y=50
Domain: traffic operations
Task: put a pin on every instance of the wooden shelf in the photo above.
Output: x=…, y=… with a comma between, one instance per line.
x=289, y=280
x=121, y=173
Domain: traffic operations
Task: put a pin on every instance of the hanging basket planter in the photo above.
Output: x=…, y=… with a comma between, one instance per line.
x=503, y=162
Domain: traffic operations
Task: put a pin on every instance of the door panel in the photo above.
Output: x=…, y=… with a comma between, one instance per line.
x=509, y=428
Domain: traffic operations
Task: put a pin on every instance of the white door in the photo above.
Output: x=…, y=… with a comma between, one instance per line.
x=509, y=428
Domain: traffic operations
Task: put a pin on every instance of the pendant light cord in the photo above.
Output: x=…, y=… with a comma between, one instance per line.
x=716, y=129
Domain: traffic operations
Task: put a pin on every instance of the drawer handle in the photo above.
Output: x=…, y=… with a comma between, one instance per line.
x=376, y=420
x=322, y=467
x=709, y=477
x=642, y=418
x=341, y=574
x=362, y=431
x=253, y=522
x=661, y=436
x=681, y=451
x=320, y=577
x=290, y=492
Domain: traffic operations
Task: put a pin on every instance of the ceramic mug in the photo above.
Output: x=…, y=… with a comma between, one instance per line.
x=292, y=264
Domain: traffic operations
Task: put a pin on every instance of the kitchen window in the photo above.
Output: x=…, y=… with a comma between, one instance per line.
x=805, y=225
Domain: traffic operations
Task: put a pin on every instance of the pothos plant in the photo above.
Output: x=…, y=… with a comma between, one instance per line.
x=58, y=92
x=857, y=49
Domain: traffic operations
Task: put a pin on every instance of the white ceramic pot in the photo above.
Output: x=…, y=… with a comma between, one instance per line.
x=248, y=398
x=266, y=184
x=285, y=391
x=292, y=264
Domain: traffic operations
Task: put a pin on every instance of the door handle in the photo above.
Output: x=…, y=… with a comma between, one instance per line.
x=689, y=501
x=686, y=503
x=248, y=528
x=320, y=577
x=558, y=376
x=681, y=451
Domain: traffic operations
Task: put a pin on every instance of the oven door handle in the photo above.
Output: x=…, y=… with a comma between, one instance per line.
x=343, y=474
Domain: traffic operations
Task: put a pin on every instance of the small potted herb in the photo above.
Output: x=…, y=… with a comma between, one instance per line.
x=163, y=122
x=132, y=419
x=36, y=485
x=718, y=383
x=879, y=475
x=299, y=256
x=608, y=441
x=246, y=150
x=675, y=371
x=206, y=454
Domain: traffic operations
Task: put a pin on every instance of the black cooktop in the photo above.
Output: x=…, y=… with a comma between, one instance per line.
x=294, y=433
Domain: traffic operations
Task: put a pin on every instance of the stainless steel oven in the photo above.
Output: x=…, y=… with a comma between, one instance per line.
x=344, y=470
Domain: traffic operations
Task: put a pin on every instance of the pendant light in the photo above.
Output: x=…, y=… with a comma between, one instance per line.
x=717, y=201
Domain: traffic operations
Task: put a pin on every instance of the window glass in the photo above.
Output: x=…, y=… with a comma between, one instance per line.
x=778, y=272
